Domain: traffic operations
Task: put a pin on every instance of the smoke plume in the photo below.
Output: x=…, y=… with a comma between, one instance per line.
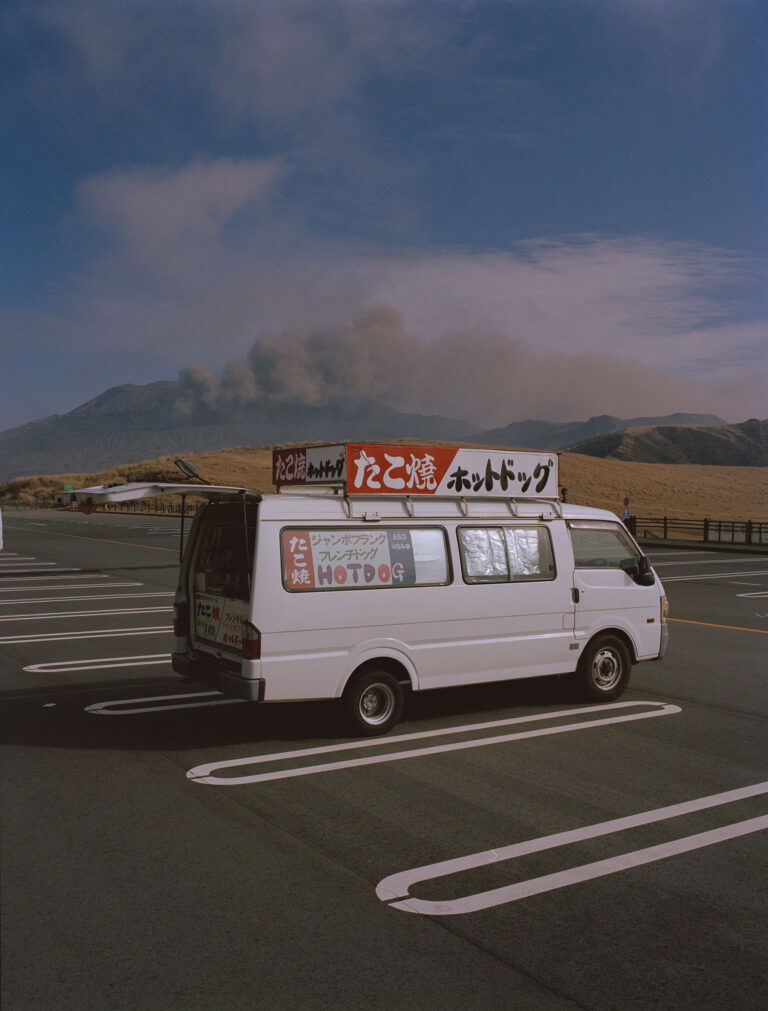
x=488, y=379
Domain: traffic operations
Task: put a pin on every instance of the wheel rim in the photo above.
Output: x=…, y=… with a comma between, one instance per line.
x=607, y=669
x=377, y=703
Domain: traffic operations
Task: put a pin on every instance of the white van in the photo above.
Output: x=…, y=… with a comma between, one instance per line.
x=381, y=569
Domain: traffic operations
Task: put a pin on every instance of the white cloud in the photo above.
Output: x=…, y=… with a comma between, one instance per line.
x=155, y=212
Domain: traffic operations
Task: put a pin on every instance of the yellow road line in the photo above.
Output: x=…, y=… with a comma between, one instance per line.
x=711, y=624
x=102, y=540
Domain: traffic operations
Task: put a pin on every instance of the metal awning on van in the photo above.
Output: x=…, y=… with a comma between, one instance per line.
x=101, y=494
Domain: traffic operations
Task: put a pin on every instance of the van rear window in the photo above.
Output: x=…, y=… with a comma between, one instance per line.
x=223, y=559
x=351, y=558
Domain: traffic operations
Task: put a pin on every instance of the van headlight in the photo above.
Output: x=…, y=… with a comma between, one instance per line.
x=664, y=608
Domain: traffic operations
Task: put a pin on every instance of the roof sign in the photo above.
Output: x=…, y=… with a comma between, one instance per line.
x=391, y=469
x=309, y=465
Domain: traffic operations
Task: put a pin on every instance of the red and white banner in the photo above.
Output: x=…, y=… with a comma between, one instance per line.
x=392, y=469
x=447, y=471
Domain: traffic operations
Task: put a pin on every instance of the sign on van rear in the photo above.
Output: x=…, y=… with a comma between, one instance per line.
x=391, y=469
x=219, y=620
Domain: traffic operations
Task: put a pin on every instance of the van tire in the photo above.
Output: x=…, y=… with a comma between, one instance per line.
x=373, y=703
x=603, y=670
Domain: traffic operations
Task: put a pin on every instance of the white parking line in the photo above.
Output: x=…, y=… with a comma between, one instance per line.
x=8, y=566
x=714, y=575
x=95, y=596
x=42, y=615
x=52, y=565
x=66, y=586
x=202, y=773
x=394, y=889
x=716, y=561
x=91, y=633
x=660, y=553
x=98, y=663
x=48, y=575
x=107, y=708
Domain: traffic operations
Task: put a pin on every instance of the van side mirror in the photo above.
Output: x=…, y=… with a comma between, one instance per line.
x=645, y=576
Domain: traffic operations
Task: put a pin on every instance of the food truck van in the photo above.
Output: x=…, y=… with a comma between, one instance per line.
x=376, y=570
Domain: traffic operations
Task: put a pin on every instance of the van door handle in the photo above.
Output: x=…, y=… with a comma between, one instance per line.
x=576, y=595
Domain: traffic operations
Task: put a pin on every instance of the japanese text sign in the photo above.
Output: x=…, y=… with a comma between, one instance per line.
x=392, y=469
x=347, y=558
x=309, y=465
x=447, y=471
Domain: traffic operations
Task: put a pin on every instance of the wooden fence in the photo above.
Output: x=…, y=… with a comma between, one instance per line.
x=710, y=531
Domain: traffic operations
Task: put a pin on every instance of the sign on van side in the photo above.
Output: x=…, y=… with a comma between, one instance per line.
x=390, y=469
x=334, y=558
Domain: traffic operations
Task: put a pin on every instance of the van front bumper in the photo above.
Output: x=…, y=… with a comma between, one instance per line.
x=664, y=641
x=210, y=672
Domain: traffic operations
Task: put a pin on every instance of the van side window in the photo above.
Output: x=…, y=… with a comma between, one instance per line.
x=352, y=558
x=506, y=554
x=604, y=548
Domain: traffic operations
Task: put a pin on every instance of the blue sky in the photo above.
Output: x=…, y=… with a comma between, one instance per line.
x=489, y=210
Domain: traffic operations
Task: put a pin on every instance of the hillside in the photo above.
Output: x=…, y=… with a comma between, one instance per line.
x=133, y=422
x=744, y=445
x=563, y=434
x=136, y=422
x=690, y=491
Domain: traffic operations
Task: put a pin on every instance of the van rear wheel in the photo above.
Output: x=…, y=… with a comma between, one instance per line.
x=603, y=670
x=373, y=703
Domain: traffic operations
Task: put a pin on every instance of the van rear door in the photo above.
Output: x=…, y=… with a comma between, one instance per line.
x=219, y=575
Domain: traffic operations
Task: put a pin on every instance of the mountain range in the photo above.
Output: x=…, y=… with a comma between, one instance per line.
x=744, y=445
x=128, y=423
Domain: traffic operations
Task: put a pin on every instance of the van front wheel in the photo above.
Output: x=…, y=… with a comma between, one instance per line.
x=603, y=671
x=373, y=703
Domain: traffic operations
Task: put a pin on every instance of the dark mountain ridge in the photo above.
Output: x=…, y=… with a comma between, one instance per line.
x=129, y=422
x=562, y=434
x=743, y=445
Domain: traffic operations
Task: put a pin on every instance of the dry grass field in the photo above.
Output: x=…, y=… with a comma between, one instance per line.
x=684, y=491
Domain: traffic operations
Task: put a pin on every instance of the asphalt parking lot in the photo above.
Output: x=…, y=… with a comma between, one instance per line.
x=504, y=847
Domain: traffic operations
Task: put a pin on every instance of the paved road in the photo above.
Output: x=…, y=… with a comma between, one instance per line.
x=607, y=858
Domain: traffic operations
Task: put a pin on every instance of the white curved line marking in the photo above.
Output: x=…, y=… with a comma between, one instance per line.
x=106, y=708
x=202, y=773
x=98, y=663
x=394, y=889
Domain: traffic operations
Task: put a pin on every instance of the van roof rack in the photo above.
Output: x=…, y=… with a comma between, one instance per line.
x=412, y=471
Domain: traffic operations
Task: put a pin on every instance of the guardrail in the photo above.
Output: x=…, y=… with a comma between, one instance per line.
x=710, y=531
x=154, y=507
